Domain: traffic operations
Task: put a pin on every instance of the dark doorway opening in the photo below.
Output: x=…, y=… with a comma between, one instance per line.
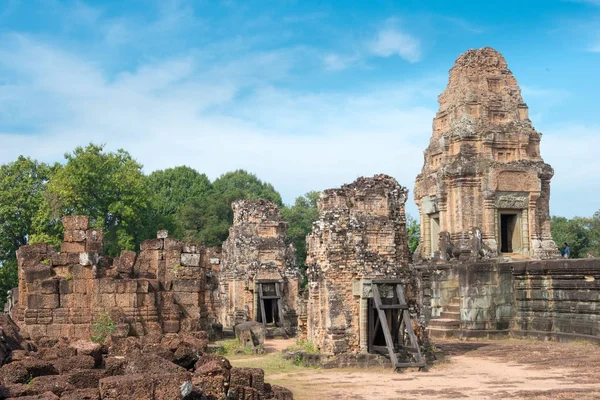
x=268, y=307
x=271, y=316
x=508, y=232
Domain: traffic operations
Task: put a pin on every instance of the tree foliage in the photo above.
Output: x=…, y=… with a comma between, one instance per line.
x=109, y=187
x=170, y=190
x=582, y=234
x=207, y=218
x=22, y=184
x=300, y=218
x=413, y=228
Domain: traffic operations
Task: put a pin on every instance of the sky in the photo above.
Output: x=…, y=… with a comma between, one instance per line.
x=308, y=95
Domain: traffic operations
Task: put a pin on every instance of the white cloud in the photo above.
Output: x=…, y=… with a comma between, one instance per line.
x=338, y=62
x=214, y=118
x=575, y=185
x=391, y=41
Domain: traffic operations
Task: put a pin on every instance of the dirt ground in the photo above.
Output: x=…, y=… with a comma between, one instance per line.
x=507, y=369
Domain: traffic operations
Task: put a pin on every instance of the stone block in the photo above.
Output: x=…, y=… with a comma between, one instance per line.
x=75, y=235
x=191, y=286
x=248, y=377
x=251, y=334
x=162, y=234
x=189, y=247
x=106, y=285
x=49, y=286
x=93, y=247
x=165, y=386
x=186, y=298
x=38, y=301
x=173, y=244
x=88, y=259
x=95, y=235
x=190, y=260
x=75, y=222
x=81, y=272
x=126, y=300
x=125, y=286
x=66, y=247
x=59, y=259
x=37, y=273
x=151, y=244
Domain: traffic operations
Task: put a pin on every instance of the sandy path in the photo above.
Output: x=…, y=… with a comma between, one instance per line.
x=484, y=370
x=463, y=378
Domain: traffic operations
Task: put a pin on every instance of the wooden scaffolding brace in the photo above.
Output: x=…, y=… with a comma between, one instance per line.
x=262, y=297
x=400, y=322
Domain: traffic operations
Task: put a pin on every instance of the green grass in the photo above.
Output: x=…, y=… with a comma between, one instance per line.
x=233, y=347
x=303, y=345
x=272, y=363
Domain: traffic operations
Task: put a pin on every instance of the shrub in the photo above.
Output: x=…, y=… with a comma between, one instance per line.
x=102, y=328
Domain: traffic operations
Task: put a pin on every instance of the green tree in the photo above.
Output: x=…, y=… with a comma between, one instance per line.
x=577, y=232
x=413, y=228
x=22, y=184
x=300, y=218
x=109, y=187
x=170, y=190
x=207, y=218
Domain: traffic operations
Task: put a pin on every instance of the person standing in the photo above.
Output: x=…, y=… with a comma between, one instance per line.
x=566, y=251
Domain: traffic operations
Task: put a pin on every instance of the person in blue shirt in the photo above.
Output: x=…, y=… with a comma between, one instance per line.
x=566, y=251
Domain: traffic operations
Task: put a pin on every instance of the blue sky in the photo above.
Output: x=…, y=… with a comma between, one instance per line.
x=308, y=95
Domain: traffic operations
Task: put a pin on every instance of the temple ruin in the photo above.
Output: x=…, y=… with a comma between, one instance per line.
x=361, y=287
x=259, y=280
x=483, y=168
x=159, y=290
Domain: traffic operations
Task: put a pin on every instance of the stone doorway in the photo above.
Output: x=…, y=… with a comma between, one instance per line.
x=389, y=327
x=268, y=304
x=510, y=232
x=434, y=237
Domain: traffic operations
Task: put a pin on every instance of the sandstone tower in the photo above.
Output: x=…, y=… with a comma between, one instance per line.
x=259, y=279
x=359, y=241
x=483, y=167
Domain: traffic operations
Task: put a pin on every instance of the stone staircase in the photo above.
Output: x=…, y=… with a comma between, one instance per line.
x=448, y=324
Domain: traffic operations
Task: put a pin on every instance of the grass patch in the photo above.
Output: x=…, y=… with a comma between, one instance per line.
x=273, y=363
x=303, y=345
x=234, y=347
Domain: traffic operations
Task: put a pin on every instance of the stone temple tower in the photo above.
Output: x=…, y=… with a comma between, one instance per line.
x=483, y=167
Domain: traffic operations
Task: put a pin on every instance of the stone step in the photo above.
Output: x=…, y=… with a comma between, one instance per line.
x=440, y=333
x=450, y=315
x=452, y=307
x=445, y=323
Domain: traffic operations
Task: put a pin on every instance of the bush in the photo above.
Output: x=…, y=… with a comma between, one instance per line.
x=102, y=328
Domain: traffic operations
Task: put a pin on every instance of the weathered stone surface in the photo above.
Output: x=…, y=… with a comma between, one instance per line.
x=81, y=394
x=483, y=166
x=251, y=334
x=22, y=371
x=164, y=386
x=138, y=363
x=360, y=235
x=257, y=251
x=10, y=340
x=75, y=222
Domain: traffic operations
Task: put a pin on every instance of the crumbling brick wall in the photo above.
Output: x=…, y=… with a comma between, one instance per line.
x=360, y=236
x=257, y=250
x=159, y=290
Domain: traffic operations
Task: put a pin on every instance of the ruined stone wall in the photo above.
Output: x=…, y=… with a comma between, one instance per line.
x=483, y=160
x=159, y=290
x=257, y=250
x=360, y=236
x=555, y=299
